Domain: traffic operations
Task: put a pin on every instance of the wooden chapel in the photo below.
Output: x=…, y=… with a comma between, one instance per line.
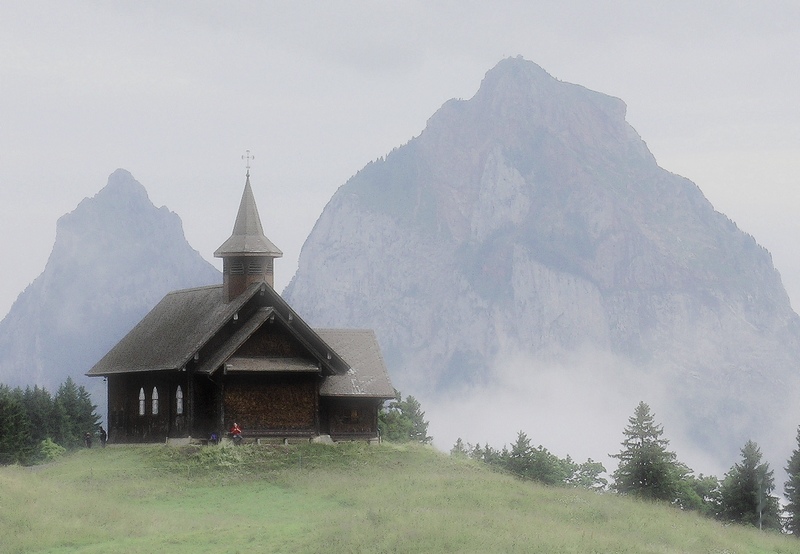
x=204, y=358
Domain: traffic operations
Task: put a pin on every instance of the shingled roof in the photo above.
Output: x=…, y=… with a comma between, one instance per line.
x=183, y=322
x=367, y=375
x=172, y=332
x=248, y=237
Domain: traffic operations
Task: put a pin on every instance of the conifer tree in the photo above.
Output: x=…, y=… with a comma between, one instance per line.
x=15, y=445
x=74, y=405
x=459, y=448
x=745, y=492
x=792, y=490
x=646, y=468
x=536, y=463
x=39, y=406
x=518, y=460
x=404, y=421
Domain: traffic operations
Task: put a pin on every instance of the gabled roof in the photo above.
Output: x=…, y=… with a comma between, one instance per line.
x=367, y=375
x=173, y=331
x=227, y=349
x=330, y=359
x=248, y=237
x=185, y=321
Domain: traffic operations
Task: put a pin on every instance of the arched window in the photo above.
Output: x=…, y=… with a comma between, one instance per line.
x=141, y=401
x=179, y=401
x=155, y=401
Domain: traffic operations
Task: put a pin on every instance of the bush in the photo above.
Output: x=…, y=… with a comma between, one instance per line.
x=50, y=451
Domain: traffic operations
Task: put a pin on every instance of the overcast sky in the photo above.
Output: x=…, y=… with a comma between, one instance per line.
x=176, y=92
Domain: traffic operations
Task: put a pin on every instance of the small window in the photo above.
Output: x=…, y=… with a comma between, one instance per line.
x=237, y=267
x=255, y=267
x=179, y=401
x=141, y=401
x=155, y=401
x=352, y=415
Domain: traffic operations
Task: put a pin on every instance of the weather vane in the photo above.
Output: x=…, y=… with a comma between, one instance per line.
x=248, y=157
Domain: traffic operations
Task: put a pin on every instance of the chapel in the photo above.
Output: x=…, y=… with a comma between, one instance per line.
x=204, y=358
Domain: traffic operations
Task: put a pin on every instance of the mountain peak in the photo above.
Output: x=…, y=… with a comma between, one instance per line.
x=516, y=86
x=115, y=256
x=123, y=188
x=518, y=69
x=543, y=229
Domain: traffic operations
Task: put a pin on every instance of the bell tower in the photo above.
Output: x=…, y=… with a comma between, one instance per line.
x=248, y=255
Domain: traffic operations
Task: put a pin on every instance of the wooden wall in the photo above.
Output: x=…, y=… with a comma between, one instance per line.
x=351, y=417
x=272, y=340
x=272, y=404
x=125, y=421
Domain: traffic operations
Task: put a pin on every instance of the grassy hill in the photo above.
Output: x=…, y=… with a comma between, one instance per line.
x=317, y=498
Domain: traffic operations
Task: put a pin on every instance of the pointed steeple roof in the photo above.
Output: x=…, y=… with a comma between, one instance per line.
x=248, y=236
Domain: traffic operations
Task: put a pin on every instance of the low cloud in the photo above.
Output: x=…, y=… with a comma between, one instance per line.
x=578, y=407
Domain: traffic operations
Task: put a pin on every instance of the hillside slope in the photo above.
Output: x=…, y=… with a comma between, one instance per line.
x=318, y=498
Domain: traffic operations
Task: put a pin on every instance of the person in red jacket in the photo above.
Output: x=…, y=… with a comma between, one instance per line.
x=236, y=433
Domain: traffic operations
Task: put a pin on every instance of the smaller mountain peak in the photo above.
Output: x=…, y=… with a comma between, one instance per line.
x=123, y=195
x=519, y=67
x=122, y=185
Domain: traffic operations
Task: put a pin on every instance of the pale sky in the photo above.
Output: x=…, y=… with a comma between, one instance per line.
x=175, y=92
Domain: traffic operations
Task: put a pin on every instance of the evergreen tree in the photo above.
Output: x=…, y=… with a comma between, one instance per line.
x=15, y=444
x=745, y=492
x=792, y=490
x=74, y=405
x=535, y=463
x=459, y=448
x=404, y=421
x=487, y=455
x=646, y=468
x=518, y=460
x=40, y=408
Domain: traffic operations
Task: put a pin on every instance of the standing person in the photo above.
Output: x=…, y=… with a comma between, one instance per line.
x=103, y=437
x=236, y=433
x=87, y=439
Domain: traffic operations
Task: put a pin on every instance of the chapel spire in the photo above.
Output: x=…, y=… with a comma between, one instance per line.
x=247, y=256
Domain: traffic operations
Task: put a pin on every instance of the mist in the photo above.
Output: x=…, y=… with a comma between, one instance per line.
x=578, y=406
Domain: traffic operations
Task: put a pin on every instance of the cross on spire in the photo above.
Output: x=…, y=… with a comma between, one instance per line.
x=248, y=157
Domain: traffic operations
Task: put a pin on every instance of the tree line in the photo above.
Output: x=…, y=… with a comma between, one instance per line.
x=36, y=426
x=647, y=469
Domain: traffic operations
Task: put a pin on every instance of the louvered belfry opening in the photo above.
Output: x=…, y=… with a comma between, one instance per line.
x=238, y=273
x=248, y=255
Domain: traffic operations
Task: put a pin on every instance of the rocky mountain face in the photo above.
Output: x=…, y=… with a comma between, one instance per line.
x=115, y=256
x=528, y=242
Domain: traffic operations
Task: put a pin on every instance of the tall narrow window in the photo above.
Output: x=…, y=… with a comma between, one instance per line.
x=141, y=401
x=179, y=401
x=155, y=401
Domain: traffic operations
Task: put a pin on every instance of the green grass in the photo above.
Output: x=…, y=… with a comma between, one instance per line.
x=316, y=498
